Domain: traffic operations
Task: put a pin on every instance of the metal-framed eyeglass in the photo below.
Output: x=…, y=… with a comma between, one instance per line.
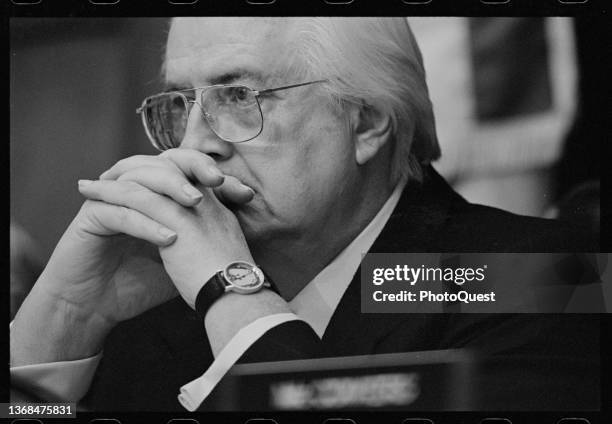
x=232, y=111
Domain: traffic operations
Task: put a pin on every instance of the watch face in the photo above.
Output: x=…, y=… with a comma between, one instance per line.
x=244, y=277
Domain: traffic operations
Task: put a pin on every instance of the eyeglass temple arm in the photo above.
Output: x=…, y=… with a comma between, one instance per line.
x=270, y=90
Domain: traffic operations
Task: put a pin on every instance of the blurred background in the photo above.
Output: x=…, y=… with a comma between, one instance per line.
x=513, y=97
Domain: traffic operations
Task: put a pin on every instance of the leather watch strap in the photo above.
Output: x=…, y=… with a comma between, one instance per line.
x=215, y=288
x=212, y=290
x=272, y=284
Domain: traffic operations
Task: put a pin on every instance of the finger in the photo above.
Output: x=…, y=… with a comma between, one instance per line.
x=163, y=180
x=105, y=219
x=130, y=163
x=196, y=166
x=132, y=195
x=233, y=191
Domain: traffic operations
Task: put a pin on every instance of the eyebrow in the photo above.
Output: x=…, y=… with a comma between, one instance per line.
x=236, y=75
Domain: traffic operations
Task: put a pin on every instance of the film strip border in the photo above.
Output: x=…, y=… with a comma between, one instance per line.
x=347, y=417
x=110, y=8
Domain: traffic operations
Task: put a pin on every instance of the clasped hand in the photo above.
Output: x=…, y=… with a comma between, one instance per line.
x=151, y=225
x=154, y=198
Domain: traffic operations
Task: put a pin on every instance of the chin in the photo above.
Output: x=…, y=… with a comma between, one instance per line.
x=262, y=230
x=260, y=225
x=257, y=234
x=254, y=225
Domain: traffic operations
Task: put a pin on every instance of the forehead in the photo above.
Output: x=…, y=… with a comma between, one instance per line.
x=202, y=49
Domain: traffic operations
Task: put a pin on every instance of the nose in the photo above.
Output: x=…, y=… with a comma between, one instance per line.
x=199, y=136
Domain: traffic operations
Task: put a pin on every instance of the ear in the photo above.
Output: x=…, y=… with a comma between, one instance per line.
x=371, y=129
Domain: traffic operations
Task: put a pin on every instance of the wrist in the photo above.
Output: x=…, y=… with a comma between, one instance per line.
x=232, y=312
x=50, y=329
x=239, y=277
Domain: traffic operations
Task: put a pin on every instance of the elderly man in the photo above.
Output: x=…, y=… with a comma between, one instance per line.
x=290, y=148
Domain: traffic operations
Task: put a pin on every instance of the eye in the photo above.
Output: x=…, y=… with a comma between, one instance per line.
x=190, y=95
x=240, y=94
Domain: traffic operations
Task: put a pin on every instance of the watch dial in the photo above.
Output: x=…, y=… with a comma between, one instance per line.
x=242, y=275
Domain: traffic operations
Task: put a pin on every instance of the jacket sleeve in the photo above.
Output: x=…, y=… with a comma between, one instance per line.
x=272, y=338
x=288, y=341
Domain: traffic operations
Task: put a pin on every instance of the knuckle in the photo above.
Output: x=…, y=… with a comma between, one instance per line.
x=125, y=176
x=86, y=206
x=121, y=163
x=170, y=158
x=126, y=163
x=91, y=212
x=86, y=209
x=131, y=177
x=167, y=154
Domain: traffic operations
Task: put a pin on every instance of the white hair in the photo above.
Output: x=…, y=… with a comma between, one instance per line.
x=375, y=61
x=371, y=61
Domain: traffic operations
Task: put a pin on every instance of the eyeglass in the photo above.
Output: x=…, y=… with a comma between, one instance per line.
x=233, y=112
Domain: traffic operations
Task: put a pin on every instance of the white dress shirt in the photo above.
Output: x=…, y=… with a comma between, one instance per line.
x=315, y=304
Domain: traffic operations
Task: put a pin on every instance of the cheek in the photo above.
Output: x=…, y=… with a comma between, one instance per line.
x=311, y=159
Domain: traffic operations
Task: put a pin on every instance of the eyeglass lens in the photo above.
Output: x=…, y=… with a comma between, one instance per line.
x=166, y=120
x=232, y=112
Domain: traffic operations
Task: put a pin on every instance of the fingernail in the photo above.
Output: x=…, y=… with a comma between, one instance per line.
x=192, y=192
x=84, y=182
x=249, y=189
x=167, y=233
x=217, y=173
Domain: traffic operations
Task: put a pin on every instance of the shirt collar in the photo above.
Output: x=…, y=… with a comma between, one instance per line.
x=318, y=300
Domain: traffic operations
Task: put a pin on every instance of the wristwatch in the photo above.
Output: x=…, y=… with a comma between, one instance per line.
x=238, y=277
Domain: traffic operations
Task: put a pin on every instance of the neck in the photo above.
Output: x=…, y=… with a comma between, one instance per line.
x=294, y=262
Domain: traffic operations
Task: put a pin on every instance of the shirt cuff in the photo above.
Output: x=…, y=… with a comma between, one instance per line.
x=65, y=381
x=194, y=393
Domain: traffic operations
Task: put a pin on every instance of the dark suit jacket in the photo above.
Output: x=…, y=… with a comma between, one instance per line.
x=543, y=361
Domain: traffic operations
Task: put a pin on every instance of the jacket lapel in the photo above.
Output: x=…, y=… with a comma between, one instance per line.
x=414, y=226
